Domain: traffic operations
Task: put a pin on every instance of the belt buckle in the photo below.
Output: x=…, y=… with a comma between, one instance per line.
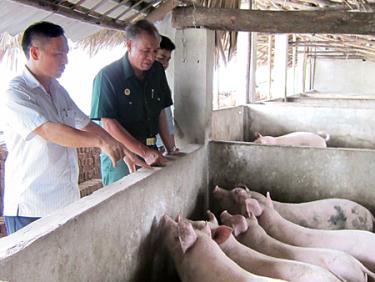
x=150, y=141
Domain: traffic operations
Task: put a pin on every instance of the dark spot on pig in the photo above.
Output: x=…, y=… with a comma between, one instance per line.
x=338, y=220
x=359, y=222
x=304, y=223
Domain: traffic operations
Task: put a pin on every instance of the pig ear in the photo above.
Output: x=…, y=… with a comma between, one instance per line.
x=207, y=229
x=269, y=202
x=251, y=215
x=216, y=192
x=186, y=235
x=258, y=135
x=212, y=218
x=239, y=225
x=253, y=206
x=221, y=233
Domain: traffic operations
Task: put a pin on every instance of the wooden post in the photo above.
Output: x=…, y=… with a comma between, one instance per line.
x=281, y=62
x=253, y=67
x=304, y=71
x=294, y=63
x=244, y=57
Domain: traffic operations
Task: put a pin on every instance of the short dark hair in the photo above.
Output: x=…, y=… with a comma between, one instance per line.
x=39, y=31
x=139, y=27
x=167, y=44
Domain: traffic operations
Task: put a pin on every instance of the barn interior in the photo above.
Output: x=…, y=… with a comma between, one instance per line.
x=323, y=53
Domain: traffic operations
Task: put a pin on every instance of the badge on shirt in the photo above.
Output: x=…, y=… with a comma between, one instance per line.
x=127, y=91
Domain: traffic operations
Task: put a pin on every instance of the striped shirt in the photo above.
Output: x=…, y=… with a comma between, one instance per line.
x=40, y=176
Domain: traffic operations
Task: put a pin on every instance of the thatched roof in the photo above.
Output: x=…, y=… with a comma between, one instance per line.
x=97, y=23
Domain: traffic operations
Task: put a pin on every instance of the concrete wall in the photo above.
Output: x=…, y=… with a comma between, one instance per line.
x=295, y=174
x=109, y=235
x=228, y=124
x=348, y=127
x=345, y=76
x=194, y=61
x=329, y=100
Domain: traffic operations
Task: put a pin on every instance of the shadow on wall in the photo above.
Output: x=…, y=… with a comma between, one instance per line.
x=159, y=267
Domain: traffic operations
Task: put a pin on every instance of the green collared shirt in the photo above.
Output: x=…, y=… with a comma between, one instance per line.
x=135, y=104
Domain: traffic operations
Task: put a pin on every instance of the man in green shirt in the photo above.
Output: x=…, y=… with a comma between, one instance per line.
x=128, y=98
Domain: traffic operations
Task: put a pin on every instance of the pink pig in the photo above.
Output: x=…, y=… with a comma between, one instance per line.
x=358, y=243
x=261, y=264
x=198, y=258
x=251, y=234
x=330, y=214
x=294, y=139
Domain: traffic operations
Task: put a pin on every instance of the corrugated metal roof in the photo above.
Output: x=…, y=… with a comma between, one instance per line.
x=16, y=17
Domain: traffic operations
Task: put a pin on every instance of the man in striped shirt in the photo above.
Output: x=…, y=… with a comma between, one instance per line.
x=42, y=129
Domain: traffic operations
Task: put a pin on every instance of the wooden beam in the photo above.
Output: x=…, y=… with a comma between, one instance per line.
x=79, y=13
x=275, y=21
x=160, y=12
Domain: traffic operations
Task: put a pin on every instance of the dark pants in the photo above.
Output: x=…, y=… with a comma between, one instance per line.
x=14, y=223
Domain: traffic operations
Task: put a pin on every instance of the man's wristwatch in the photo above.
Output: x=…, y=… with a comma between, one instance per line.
x=173, y=149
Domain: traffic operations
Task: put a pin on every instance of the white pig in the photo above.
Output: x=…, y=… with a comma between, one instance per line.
x=330, y=214
x=294, y=139
x=358, y=243
x=251, y=234
x=198, y=258
x=261, y=264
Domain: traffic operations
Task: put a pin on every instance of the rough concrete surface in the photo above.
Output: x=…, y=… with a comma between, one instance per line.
x=110, y=235
x=228, y=124
x=295, y=174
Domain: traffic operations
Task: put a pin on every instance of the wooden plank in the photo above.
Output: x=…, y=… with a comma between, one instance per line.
x=275, y=21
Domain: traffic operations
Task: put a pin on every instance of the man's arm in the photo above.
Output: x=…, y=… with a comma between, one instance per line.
x=168, y=141
x=70, y=137
x=114, y=128
x=130, y=158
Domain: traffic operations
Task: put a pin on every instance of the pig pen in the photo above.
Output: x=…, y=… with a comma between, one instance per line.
x=349, y=127
x=294, y=174
x=112, y=234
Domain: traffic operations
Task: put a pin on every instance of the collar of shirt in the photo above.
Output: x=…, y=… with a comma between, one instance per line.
x=129, y=72
x=32, y=82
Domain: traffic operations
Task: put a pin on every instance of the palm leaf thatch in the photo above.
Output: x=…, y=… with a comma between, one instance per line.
x=10, y=48
x=225, y=41
x=106, y=38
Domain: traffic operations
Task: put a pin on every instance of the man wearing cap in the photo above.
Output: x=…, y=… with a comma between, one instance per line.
x=128, y=99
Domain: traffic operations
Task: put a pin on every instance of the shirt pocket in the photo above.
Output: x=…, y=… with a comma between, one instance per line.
x=68, y=116
x=130, y=109
x=155, y=101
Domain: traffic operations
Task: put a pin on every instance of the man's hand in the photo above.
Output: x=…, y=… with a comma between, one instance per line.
x=174, y=151
x=132, y=161
x=153, y=157
x=113, y=149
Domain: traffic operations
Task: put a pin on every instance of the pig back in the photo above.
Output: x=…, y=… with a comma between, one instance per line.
x=329, y=214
